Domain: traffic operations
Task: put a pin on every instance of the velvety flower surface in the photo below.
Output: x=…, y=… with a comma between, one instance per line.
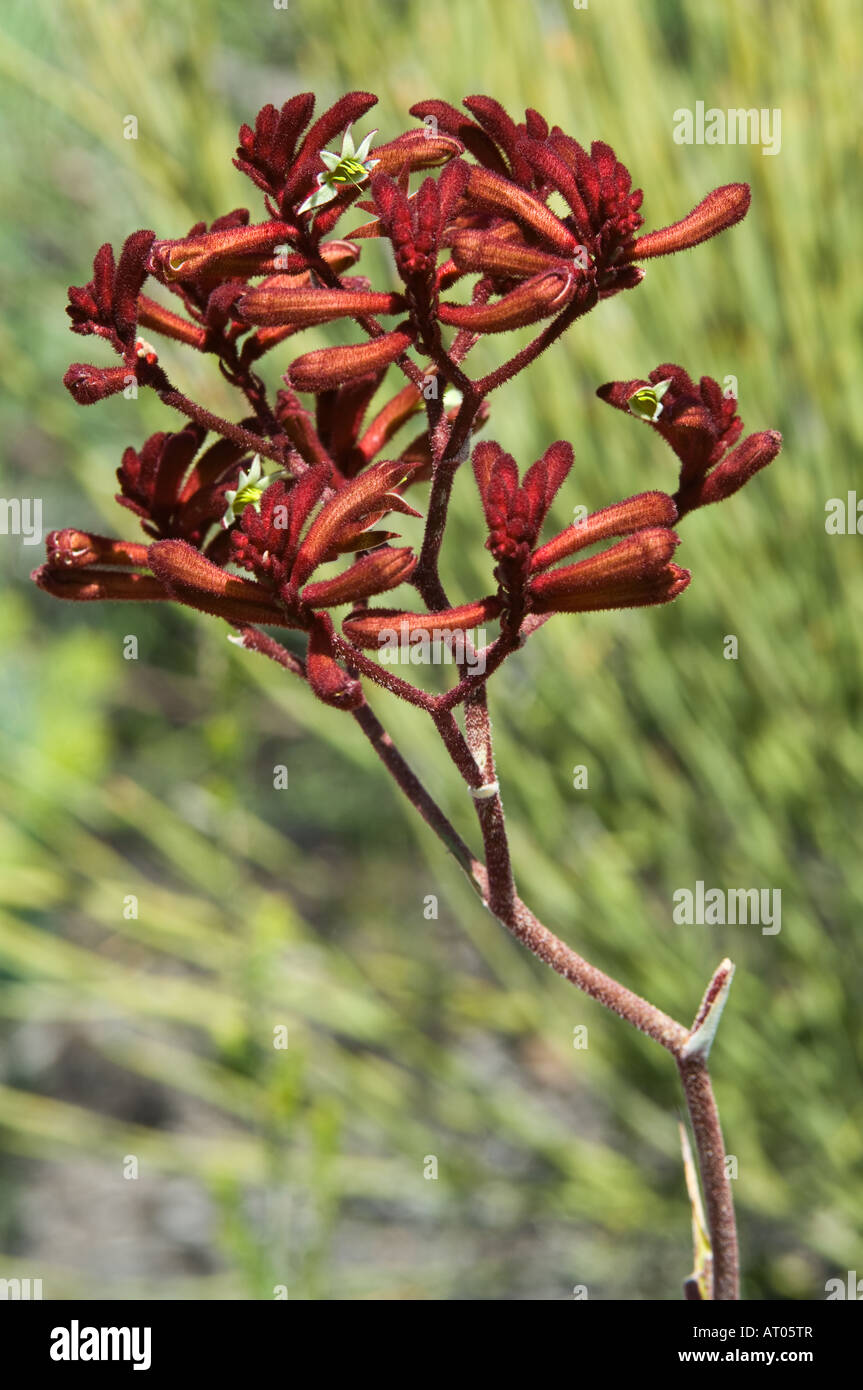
x=494, y=224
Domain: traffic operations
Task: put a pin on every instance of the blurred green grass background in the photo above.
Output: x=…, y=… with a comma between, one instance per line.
x=153, y=1037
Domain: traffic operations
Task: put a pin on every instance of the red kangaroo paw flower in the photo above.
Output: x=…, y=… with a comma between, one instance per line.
x=366, y=628
x=158, y=319
x=722, y=208
x=329, y=367
x=505, y=133
x=753, y=454
x=275, y=303
x=108, y=305
x=533, y=300
x=630, y=574
x=174, y=496
x=365, y=497
x=92, y=585
x=212, y=252
x=343, y=113
x=515, y=514
x=73, y=549
x=700, y=423
x=326, y=677
x=297, y=424
x=89, y=384
x=415, y=149
x=498, y=256
x=196, y=581
x=373, y=574
x=636, y=513
x=471, y=135
x=388, y=420
x=266, y=153
x=495, y=192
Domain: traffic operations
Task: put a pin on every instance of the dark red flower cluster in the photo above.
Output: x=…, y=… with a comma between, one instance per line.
x=478, y=249
x=172, y=498
x=633, y=573
x=701, y=425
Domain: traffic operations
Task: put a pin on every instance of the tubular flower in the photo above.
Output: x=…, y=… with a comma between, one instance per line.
x=515, y=512
x=328, y=368
x=173, y=493
x=701, y=424
x=275, y=519
x=299, y=175
x=414, y=227
x=108, y=308
x=367, y=627
x=277, y=302
x=269, y=540
x=284, y=163
x=633, y=573
x=89, y=568
x=108, y=305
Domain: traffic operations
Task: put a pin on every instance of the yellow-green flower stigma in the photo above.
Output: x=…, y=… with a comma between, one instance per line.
x=251, y=486
x=351, y=166
x=646, y=402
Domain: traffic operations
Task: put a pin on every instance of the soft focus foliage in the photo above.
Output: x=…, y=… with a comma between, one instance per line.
x=411, y=1037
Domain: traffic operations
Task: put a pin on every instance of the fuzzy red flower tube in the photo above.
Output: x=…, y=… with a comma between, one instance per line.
x=293, y=506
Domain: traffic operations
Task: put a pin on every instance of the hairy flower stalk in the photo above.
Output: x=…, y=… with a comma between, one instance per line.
x=316, y=477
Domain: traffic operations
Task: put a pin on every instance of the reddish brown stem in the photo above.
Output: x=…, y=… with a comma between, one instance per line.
x=419, y=797
x=255, y=443
x=497, y=892
x=718, y=1200
x=473, y=757
x=530, y=353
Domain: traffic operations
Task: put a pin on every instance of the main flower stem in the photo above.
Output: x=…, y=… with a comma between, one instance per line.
x=472, y=753
x=497, y=891
x=710, y=1147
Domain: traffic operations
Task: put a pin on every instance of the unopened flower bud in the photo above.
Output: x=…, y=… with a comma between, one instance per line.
x=719, y=210
x=329, y=367
x=88, y=384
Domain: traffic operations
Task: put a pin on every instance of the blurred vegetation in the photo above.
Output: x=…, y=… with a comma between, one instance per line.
x=153, y=1037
